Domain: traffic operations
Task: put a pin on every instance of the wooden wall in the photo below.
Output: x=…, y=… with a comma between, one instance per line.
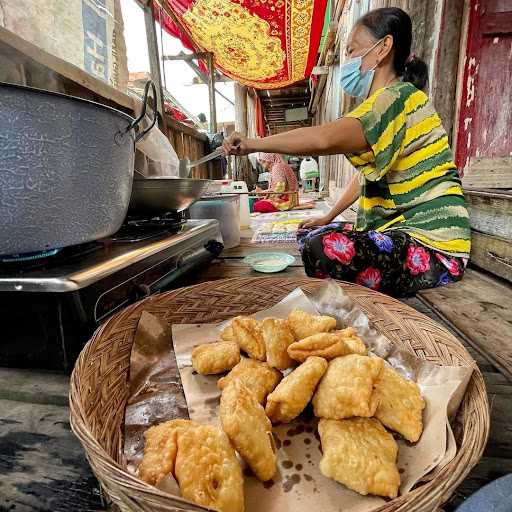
x=193, y=145
x=245, y=124
x=437, y=28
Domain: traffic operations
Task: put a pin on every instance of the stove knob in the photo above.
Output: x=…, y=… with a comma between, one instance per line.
x=141, y=291
x=214, y=247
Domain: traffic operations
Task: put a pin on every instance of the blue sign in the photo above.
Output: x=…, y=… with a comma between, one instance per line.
x=94, y=16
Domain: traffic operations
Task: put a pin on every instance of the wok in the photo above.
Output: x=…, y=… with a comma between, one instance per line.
x=155, y=196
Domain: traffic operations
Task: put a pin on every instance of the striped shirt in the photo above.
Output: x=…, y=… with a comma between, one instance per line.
x=410, y=181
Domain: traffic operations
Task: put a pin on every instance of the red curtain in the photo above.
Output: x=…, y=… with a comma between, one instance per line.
x=264, y=44
x=170, y=27
x=260, y=120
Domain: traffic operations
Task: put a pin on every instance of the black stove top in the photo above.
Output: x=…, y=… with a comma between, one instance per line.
x=51, y=303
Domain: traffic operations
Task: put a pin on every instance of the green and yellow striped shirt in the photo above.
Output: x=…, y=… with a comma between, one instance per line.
x=410, y=181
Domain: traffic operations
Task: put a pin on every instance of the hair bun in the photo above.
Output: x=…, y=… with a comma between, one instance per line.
x=416, y=72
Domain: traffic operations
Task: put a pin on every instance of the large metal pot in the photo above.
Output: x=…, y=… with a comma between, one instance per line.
x=66, y=168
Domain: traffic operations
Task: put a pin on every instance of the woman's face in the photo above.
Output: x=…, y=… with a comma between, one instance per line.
x=265, y=165
x=358, y=42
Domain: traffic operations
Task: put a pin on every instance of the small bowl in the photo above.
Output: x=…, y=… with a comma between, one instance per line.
x=269, y=262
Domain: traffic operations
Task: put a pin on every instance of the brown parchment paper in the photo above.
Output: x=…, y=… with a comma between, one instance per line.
x=298, y=485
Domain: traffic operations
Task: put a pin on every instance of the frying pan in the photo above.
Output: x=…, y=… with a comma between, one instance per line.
x=155, y=196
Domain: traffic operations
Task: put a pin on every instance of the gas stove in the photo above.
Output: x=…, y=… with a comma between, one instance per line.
x=51, y=303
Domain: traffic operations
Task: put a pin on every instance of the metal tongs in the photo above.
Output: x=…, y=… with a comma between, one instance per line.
x=186, y=165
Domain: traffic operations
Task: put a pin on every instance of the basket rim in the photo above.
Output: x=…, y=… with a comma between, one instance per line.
x=435, y=491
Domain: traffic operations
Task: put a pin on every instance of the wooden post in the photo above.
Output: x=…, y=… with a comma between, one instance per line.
x=444, y=85
x=211, y=91
x=240, y=109
x=243, y=167
x=189, y=59
x=154, y=60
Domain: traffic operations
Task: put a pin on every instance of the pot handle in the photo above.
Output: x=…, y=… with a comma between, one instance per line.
x=134, y=124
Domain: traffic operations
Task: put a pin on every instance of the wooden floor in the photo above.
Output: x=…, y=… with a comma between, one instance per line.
x=42, y=466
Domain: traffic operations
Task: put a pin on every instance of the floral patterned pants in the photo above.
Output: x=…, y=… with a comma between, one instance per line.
x=392, y=263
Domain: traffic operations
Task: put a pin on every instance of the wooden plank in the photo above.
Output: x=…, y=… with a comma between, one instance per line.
x=490, y=212
x=246, y=247
x=424, y=307
x=229, y=268
x=497, y=24
x=484, y=172
x=480, y=308
x=154, y=60
x=492, y=254
x=237, y=263
x=497, y=458
x=184, y=128
x=187, y=56
x=16, y=45
x=447, y=29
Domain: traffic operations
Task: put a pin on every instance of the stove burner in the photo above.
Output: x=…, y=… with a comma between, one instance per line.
x=136, y=229
x=30, y=256
x=45, y=259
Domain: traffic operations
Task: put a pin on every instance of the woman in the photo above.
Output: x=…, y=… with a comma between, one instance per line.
x=412, y=229
x=282, y=179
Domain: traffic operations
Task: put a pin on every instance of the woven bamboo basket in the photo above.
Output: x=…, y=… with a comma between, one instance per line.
x=99, y=388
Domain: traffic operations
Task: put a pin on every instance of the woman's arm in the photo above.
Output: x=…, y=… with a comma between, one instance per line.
x=348, y=196
x=342, y=136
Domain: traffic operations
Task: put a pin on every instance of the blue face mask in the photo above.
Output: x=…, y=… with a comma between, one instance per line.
x=354, y=81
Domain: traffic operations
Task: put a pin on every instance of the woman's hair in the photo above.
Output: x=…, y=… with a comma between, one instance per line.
x=395, y=22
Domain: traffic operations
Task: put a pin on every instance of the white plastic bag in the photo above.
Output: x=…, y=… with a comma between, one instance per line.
x=160, y=158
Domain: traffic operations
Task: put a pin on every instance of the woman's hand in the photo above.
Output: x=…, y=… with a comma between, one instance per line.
x=235, y=144
x=315, y=222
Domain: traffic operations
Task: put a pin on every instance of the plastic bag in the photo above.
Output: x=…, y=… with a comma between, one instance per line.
x=156, y=156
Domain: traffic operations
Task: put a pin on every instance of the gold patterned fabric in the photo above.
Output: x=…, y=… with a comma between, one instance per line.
x=265, y=44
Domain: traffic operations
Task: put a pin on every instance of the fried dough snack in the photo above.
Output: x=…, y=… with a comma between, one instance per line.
x=200, y=458
x=277, y=337
x=294, y=392
x=347, y=388
x=213, y=358
x=259, y=378
x=400, y=404
x=247, y=426
x=303, y=324
x=328, y=345
x=360, y=454
x=208, y=471
x=227, y=333
x=247, y=333
x=160, y=448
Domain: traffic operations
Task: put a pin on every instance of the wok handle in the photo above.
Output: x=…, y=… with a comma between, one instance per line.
x=135, y=123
